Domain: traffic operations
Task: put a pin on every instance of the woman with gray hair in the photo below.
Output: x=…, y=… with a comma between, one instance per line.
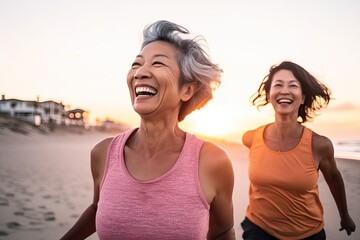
x=157, y=181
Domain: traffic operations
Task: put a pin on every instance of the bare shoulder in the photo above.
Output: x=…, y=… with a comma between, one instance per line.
x=321, y=143
x=323, y=152
x=214, y=155
x=248, y=137
x=98, y=157
x=215, y=166
x=101, y=147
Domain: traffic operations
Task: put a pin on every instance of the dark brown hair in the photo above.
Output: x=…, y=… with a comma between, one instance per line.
x=317, y=95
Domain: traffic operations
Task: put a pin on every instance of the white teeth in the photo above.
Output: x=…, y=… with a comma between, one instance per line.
x=284, y=100
x=145, y=91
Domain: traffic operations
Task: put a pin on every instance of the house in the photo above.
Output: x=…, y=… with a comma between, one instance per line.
x=25, y=110
x=53, y=112
x=46, y=112
x=77, y=117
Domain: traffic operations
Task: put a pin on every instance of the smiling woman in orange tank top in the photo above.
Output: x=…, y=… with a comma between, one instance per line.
x=285, y=158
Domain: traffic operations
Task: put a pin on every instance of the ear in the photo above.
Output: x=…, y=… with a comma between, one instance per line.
x=303, y=99
x=187, y=91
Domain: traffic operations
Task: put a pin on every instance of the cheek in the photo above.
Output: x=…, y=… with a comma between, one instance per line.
x=171, y=78
x=129, y=80
x=270, y=95
x=129, y=77
x=171, y=83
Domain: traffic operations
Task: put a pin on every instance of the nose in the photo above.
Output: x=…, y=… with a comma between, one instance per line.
x=142, y=72
x=285, y=91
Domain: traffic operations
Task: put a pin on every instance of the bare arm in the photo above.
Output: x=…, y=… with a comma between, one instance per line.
x=324, y=152
x=85, y=225
x=217, y=179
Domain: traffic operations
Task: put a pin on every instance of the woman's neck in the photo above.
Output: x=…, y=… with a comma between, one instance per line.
x=283, y=136
x=157, y=139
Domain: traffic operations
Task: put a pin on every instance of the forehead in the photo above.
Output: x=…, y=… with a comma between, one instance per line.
x=159, y=48
x=284, y=75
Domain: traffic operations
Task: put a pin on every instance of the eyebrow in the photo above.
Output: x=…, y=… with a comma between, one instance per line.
x=291, y=81
x=156, y=55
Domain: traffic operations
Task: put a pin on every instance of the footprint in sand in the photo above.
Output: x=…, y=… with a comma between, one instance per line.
x=3, y=233
x=43, y=207
x=10, y=194
x=13, y=225
x=4, y=202
x=49, y=216
x=28, y=209
x=47, y=196
x=35, y=223
x=19, y=213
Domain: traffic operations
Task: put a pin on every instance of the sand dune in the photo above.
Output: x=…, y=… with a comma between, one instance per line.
x=46, y=183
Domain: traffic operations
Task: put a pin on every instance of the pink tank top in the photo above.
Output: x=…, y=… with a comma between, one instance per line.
x=172, y=206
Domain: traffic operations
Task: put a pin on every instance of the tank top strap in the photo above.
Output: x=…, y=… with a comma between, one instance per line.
x=306, y=140
x=115, y=150
x=192, y=145
x=259, y=136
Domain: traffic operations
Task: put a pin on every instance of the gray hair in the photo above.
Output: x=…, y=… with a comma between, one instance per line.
x=194, y=63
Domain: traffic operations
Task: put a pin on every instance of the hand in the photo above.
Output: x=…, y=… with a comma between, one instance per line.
x=348, y=225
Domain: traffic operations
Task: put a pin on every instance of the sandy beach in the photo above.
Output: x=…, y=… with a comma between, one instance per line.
x=45, y=184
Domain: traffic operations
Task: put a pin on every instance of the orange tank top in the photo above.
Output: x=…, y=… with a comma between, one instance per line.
x=284, y=196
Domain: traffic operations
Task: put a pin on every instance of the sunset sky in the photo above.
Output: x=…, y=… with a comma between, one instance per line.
x=79, y=52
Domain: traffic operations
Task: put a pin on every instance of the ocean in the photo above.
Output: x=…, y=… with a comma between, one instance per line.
x=347, y=149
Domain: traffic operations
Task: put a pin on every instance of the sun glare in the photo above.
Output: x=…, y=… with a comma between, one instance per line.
x=213, y=122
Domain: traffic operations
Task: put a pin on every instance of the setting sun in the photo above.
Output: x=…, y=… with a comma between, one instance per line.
x=212, y=121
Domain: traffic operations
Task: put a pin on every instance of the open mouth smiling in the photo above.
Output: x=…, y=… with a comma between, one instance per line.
x=284, y=100
x=145, y=91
